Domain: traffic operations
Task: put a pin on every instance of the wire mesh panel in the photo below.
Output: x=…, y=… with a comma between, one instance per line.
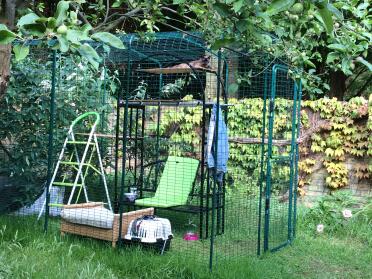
x=167, y=145
x=24, y=113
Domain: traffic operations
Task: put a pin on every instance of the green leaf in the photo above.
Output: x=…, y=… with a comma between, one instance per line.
x=177, y=2
x=75, y=36
x=238, y=5
x=221, y=43
x=6, y=36
x=242, y=25
x=61, y=12
x=27, y=19
x=338, y=47
x=345, y=66
x=52, y=23
x=278, y=6
x=222, y=9
x=326, y=19
x=36, y=29
x=108, y=39
x=86, y=28
x=335, y=11
x=21, y=52
x=90, y=54
x=233, y=88
x=332, y=56
x=365, y=63
x=309, y=63
x=63, y=43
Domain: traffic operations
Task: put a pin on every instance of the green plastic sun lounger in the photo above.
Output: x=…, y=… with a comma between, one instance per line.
x=175, y=184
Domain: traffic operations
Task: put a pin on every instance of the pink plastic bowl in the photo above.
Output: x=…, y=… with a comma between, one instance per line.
x=190, y=236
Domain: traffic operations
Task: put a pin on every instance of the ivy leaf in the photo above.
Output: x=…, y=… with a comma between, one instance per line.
x=27, y=19
x=90, y=54
x=21, y=52
x=278, y=6
x=108, y=39
x=6, y=36
x=326, y=19
x=61, y=12
x=365, y=63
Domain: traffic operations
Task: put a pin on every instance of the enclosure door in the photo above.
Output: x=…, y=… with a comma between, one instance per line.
x=281, y=161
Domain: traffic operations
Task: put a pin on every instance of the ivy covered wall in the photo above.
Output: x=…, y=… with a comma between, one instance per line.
x=335, y=143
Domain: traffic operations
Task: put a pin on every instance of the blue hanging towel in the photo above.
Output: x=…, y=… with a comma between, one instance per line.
x=222, y=143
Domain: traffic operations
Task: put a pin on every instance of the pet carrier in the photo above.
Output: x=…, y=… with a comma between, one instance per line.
x=150, y=231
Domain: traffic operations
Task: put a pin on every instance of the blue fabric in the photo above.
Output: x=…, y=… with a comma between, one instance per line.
x=222, y=143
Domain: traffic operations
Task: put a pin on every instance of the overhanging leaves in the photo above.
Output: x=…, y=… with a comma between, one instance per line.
x=61, y=13
x=108, y=39
x=222, y=9
x=365, y=63
x=90, y=54
x=278, y=6
x=6, y=36
x=27, y=19
x=326, y=19
x=21, y=52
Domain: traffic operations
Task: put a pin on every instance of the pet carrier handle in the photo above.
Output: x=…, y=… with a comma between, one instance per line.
x=85, y=115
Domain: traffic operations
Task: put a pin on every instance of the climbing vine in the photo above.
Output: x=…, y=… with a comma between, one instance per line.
x=344, y=133
x=332, y=131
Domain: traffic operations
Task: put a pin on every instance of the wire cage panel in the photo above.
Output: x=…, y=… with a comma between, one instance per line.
x=169, y=110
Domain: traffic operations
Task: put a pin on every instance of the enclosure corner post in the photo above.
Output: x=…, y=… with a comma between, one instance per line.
x=50, y=140
x=214, y=194
x=296, y=160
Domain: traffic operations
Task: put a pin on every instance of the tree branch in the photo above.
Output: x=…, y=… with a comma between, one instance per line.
x=184, y=16
x=107, y=11
x=116, y=22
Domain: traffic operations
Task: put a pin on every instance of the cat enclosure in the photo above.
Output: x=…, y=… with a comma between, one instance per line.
x=205, y=139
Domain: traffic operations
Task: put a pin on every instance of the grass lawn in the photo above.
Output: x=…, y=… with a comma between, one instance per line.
x=25, y=252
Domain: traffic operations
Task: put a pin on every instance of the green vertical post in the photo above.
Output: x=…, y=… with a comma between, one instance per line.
x=269, y=155
x=292, y=159
x=211, y=251
x=50, y=140
x=296, y=160
x=262, y=159
x=125, y=130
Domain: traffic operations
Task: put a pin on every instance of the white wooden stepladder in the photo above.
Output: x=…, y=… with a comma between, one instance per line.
x=77, y=165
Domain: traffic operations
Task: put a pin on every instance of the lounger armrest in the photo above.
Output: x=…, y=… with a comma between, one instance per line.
x=85, y=205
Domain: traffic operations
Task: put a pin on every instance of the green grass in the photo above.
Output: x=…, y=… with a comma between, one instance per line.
x=25, y=252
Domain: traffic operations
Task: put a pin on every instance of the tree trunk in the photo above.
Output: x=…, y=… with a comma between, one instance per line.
x=7, y=17
x=4, y=68
x=337, y=82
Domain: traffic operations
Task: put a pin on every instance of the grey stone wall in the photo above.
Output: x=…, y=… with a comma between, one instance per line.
x=317, y=186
